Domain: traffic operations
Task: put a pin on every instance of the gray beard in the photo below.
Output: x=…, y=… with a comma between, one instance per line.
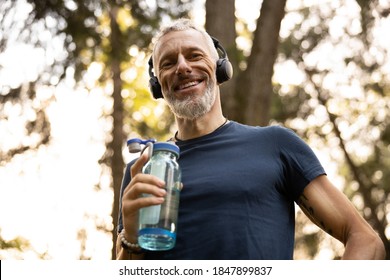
x=192, y=107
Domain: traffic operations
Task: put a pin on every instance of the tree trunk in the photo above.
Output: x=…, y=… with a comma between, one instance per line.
x=220, y=23
x=254, y=89
x=247, y=97
x=116, y=144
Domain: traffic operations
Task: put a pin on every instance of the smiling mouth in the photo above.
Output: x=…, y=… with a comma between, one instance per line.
x=188, y=85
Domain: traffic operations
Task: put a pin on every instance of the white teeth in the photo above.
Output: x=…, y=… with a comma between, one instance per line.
x=190, y=84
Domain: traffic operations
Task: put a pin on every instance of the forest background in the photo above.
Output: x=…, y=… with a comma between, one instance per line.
x=73, y=81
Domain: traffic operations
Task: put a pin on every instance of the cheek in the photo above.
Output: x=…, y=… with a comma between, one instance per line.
x=164, y=81
x=209, y=68
x=166, y=86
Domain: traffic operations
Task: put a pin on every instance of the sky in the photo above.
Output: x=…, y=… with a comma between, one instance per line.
x=48, y=196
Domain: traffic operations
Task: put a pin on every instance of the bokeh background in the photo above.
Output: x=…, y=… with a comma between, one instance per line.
x=73, y=88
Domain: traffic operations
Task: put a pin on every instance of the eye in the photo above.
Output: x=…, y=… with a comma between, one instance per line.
x=195, y=56
x=166, y=64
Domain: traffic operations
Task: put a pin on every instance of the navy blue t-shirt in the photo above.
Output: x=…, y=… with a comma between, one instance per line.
x=240, y=184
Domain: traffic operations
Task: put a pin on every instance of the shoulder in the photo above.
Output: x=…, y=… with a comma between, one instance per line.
x=279, y=130
x=285, y=136
x=277, y=137
x=272, y=131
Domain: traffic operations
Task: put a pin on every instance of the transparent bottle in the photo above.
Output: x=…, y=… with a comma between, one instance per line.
x=158, y=223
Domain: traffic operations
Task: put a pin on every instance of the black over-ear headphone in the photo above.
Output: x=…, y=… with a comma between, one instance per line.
x=224, y=71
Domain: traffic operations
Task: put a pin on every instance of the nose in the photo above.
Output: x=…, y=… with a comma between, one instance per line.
x=182, y=66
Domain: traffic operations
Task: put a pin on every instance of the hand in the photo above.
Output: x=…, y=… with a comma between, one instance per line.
x=132, y=199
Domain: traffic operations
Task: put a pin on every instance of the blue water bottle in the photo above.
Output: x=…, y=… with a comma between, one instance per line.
x=158, y=223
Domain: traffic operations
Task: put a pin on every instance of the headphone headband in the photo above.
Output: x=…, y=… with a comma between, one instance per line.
x=224, y=70
x=219, y=47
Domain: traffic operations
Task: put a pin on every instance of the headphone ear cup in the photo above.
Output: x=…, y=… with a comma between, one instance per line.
x=155, y=87
x=224, y=71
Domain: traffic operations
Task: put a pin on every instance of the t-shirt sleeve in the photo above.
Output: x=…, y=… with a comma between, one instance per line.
x=300, y=164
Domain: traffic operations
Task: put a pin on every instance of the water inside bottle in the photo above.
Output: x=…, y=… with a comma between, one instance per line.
x=162, y=234
x=156, y=239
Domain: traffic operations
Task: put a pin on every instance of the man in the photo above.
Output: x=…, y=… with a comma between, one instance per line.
x=239, y=182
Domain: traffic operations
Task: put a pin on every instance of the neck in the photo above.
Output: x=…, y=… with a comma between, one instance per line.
x=194, y=128
x=190, y=129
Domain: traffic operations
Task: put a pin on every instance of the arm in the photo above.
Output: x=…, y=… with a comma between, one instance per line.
x=330, y=209
x=132, y=201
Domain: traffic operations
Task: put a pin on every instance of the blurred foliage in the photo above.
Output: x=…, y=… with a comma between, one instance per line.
x=343, y=100
x=145, y=117
x=17, y=104
x=13, y=248
x=17, y=243
x=340, y=107
x=75, y=35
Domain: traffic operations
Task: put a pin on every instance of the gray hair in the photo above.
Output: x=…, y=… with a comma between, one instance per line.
x=183, y=24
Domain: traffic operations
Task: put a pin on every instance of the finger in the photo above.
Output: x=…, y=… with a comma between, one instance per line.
x=132, y=206
x=145, y=184
x=130, y=209
x=138, y=164
x=130, y=212
x=148, y=179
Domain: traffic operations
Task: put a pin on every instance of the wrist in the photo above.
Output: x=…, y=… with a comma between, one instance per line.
x=131, y=248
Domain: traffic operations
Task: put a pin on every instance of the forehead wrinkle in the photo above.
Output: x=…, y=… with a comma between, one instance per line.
x=203, y=42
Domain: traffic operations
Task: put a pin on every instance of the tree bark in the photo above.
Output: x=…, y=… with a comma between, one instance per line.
x=220, y=23
x=254, y=88
x=116, y=144
x=247, y=97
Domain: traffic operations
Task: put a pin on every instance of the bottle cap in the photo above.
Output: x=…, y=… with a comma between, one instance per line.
x=134, y=145
x=167, y=146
